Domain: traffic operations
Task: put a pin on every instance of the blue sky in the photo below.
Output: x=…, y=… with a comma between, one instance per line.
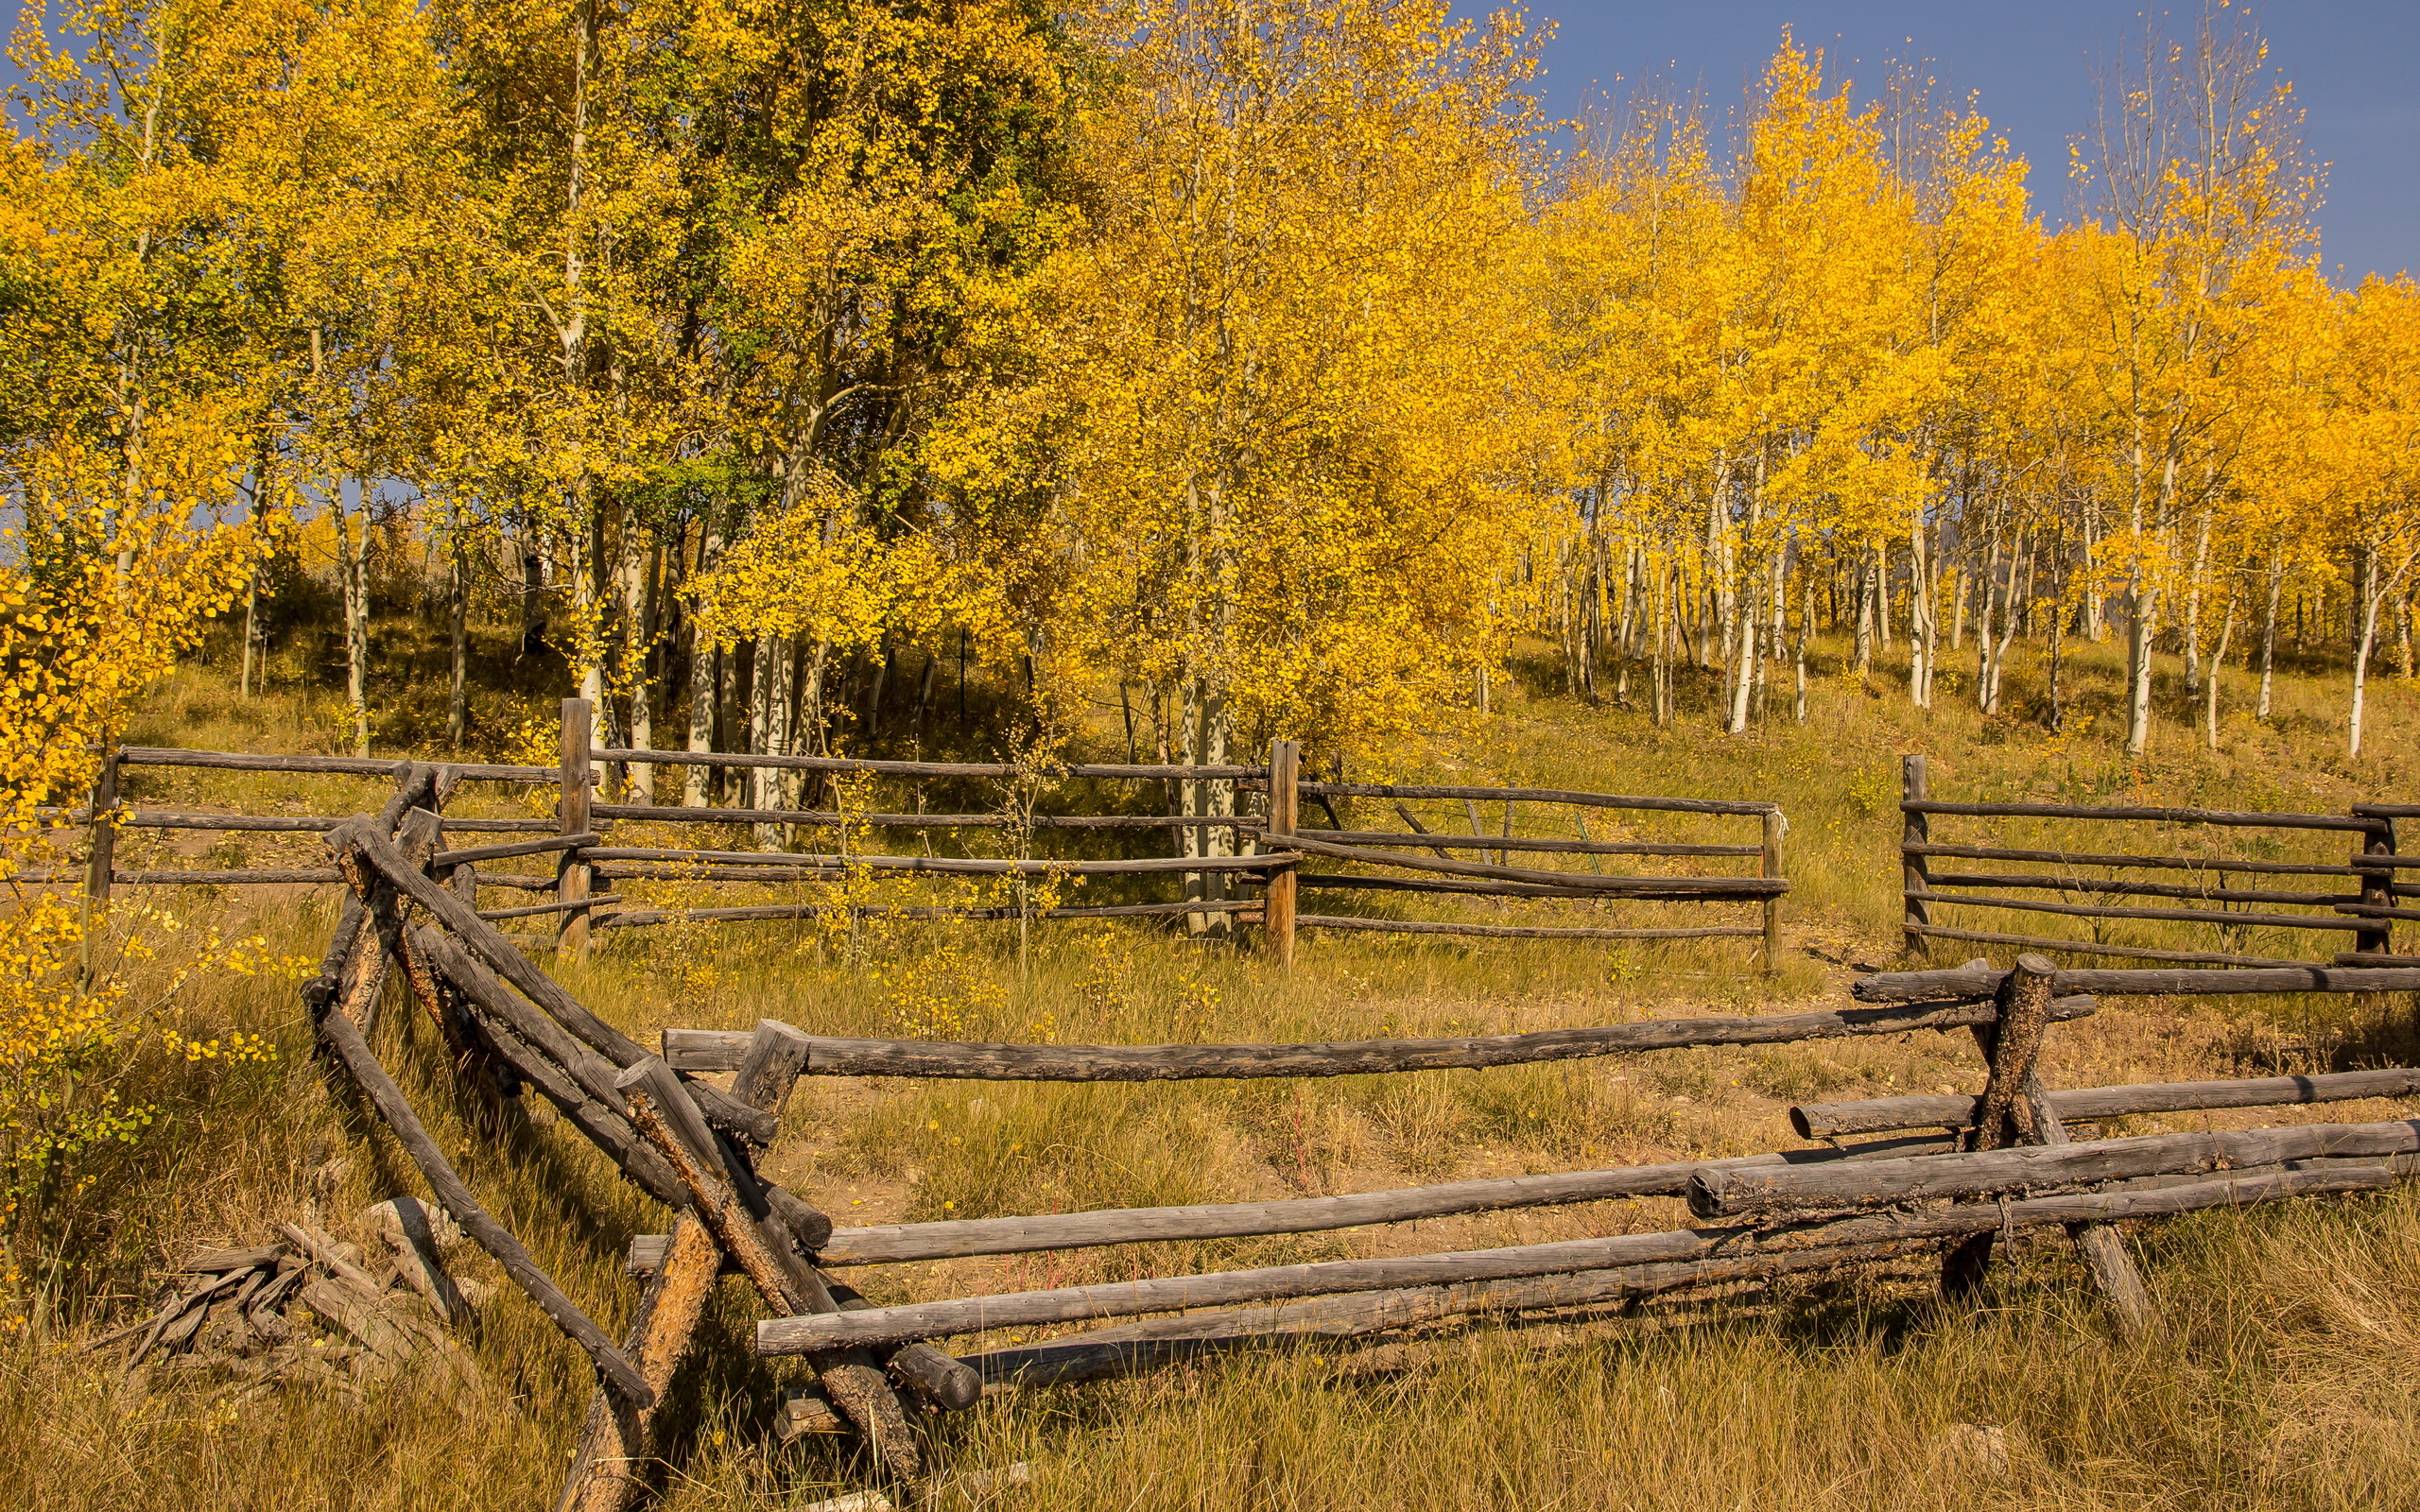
x=2355, y=66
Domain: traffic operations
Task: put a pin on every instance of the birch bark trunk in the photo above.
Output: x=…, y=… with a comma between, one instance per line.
x=2211, y=678
x=2269, y=627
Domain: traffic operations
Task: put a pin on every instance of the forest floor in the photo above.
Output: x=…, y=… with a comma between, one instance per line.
x=2279, y=1376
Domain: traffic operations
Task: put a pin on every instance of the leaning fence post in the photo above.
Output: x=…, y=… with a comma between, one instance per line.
x=1917, y=829
x=1285, y=812
x=1770, y=866
x=572, y=872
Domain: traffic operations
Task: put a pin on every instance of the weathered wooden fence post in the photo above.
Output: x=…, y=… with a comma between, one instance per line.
x=104, y=857
x=2015, y=1110
x=572, y=872
x=1770, y=866
x=1285, y=812
x=2377, y=887
x=1917, y=829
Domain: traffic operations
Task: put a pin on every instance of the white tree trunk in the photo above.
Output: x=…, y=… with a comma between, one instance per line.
x=704, y=677
x=2193, y=606
x=2210, y=678
x=2268, y=629
x=2142, y=623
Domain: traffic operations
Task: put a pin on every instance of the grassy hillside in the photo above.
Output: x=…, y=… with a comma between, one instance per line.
x=2277, y=1380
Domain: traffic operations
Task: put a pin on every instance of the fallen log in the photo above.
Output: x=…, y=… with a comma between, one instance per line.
x=707, y=1050
x=1824, y=1120
x=2033, y=1168
x=927, y=1320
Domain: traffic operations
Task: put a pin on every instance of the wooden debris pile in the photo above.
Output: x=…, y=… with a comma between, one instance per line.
x=304, y=1308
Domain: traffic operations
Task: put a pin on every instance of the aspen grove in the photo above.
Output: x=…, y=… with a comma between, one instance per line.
x=1276, y=362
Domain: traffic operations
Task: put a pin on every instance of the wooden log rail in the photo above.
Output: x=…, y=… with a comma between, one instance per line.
x=1734, y=1193
x=638, y=917
x=712, y=1049
x=2228, y=817
x=894, y=1243
x=1121, y=1348
x=902, y=768
x=2206, y=916
x=1824, y=1121
x=1745, y=889
x=1920, y=932
x=1415, y=926
x=2219, y=866
x=1441, y=840
x=1979, y=981
x=945, y=866
x=330, y=766
x=1265, y=864
x=1543, y=795
x=929, y=1320
x=2118, y=887
x=1492, y=875
x=306, y=824
x=827, y=819
x=2368, y=914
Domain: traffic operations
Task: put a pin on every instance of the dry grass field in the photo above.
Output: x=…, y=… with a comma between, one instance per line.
x=2280, y=1377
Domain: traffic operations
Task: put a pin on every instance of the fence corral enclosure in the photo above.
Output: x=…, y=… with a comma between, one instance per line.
x=1990, y=1164
x=2257, y=871
x=1917, y=1175
x=1237, y=830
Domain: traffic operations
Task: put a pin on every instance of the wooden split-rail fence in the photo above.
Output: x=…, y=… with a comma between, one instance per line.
x=1990, y=1165
x=1271, y=851
x=2252, y=889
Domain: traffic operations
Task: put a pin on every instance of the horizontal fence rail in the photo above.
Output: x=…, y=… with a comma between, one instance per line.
x=707, y=1050
x=2367, y=914
x=1235, y=866
x=1824, y=1120
x=1076, y=1304
x=1979, y=982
